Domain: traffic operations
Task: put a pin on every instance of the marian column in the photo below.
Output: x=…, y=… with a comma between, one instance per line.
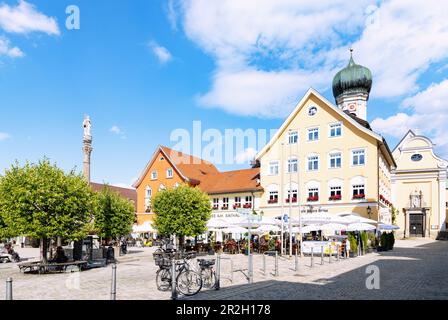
x=87, y=147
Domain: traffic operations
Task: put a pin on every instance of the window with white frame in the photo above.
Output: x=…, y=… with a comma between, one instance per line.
x=225, y=203
x=162, y=187
x=273, y=196
x=313, y=163
x=154, y=175
x=359, y=191
x=335, y=130
x=237, y=203
x=169, y=173
x=293, y=137
x=335, y=193
x=335, y=160
x=148, y=196
x=313, y=194
x=292, y=165
x=313, y=134
x=292, y=194
x=358, y=157
x=215, y=203
x=248, y=202
x=273, y=168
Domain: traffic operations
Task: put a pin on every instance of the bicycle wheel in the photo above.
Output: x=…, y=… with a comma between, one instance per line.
x=189, y=282
x=163, y=280
x=208, y=278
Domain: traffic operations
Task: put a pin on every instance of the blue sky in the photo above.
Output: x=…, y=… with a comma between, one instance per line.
x=142, y=68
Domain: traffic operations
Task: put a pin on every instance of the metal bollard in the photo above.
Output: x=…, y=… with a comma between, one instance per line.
x=173, y=280
x=296, y=262
x=113, y=289
x=312, y=257
x=322, y=255
x=9, y=289
x=264, y=264
x=276, y=263
x=251, y=268
x=337, y=253
x=218, y=272
x=329, y=253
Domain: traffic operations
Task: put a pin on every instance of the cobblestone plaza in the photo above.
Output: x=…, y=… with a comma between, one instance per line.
x=415, y=269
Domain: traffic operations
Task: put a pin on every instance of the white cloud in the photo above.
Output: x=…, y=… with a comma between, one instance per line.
x=4, y=136
x=118, y=131
x=245, y=156
x=10, y=51
x=428, y=113
x=24, y=18
x=268, y=52
x=162, y=53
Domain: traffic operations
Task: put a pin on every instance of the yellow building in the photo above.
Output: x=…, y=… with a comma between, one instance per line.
x=419, y=187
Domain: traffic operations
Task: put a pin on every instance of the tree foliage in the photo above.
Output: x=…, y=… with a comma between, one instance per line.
x=183, y=211
x=114, y=215
x=41, y=201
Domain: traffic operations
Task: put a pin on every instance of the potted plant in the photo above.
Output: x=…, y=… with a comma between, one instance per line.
x=353, y=245
x=383, y=242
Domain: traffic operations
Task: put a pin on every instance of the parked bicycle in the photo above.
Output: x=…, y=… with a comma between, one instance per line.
x=208, y=273
x=188, y=281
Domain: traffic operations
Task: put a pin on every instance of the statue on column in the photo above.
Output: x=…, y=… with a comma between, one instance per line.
x=87, y=127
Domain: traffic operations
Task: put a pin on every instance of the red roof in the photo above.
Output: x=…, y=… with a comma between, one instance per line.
x=127, y=193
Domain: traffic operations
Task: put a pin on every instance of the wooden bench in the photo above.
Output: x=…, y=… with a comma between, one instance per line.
x=40, y=267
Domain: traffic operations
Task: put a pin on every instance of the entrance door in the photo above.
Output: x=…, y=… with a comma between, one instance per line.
x=416, y=225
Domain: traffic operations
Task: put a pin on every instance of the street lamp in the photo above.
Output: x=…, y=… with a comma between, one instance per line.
x=251, y=218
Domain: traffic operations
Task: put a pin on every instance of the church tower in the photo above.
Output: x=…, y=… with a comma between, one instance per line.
x=87, y=146
x=351, y=88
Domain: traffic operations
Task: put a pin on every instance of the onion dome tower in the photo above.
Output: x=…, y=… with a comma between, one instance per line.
x=351, y=88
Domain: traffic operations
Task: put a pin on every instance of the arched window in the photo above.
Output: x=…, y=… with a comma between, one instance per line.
x=292, y=192
x=335, y=189
x=312, y=188
x=358, y=185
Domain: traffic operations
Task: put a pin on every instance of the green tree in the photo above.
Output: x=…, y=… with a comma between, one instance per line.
x=41, y=201
x=182, y=211
x=114, y=215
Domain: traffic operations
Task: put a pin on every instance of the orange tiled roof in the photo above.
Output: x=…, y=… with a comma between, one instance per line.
x=191, y=167
x=232, y=181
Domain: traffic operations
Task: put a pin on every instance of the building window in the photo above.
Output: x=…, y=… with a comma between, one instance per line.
x=293, y=137
x=313, y=194
x=313, y=163
x=292, y=194
x=162, y=187
x=237, y=203
x=169, y=173
x=292, y=165
x=148, y=196
x=225, y=204
x=335, y=130
x=273, y=168
x=335, y=160
x=359, y=191
x=335, y=193
x=273, y=197
x=313, y=134
x=358, y=157
x=154, y=175
x=248, y=202
x=215, y=203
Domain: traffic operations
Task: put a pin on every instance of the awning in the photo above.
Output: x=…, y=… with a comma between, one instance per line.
x=143, y=228
x=385, y=226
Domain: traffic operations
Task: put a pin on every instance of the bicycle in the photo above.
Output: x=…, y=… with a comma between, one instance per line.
x=188, y=282
x=208, y=274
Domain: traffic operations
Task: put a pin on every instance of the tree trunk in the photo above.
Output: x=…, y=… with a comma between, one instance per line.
x=43, y=249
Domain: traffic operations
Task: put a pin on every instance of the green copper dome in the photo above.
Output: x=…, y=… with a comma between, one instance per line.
x=352, y=79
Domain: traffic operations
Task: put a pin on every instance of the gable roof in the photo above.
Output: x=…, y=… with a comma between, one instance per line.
x=127, y=193
x=191, y=169
x=359, y=123
x=236, y=181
